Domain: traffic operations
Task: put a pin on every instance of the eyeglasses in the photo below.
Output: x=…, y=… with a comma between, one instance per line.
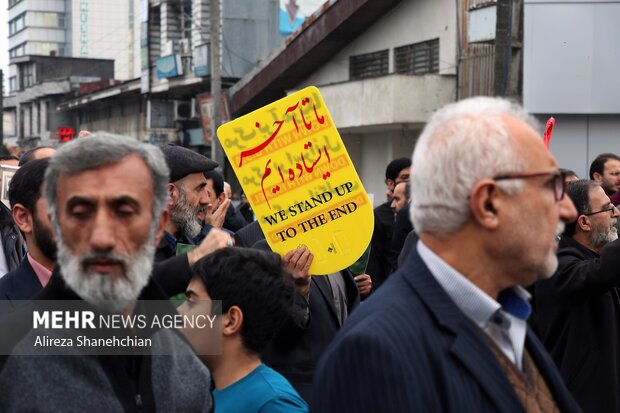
x=609, y=208
x=557, y=182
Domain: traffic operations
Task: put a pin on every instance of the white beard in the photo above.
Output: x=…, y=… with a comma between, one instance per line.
x=113, y=294
x=602, y=237
x=185, y=217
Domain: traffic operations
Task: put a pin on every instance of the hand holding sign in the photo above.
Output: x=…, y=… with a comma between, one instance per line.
x=364, y=284
x=300, y=180
x=297, y=263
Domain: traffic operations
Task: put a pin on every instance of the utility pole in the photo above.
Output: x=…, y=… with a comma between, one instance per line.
x=508, y=48
x=217, y=154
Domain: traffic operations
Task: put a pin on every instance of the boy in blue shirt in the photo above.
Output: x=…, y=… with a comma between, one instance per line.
x=256, y=295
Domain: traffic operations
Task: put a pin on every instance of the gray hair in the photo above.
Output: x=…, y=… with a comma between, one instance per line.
x=462, y=143
x=100, y=149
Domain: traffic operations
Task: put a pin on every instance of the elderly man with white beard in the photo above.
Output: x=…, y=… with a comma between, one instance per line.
x=578, y=309
x=188, y=203
x=107, y=198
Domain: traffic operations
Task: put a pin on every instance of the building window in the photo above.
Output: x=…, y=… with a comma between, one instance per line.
x=17, y=24
x=18, y=50
x=54, y=20
x=45, y=48
x=369, y=65
x=12, y=84
x=417, y=58
x=13, y=3
x=27, y=75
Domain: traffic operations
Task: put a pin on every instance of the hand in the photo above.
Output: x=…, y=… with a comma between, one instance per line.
x=215, y=239
x=297, y=263
x=364, y=284
x=216, y=217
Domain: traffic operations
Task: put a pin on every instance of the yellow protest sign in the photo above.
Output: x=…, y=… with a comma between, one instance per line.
x=300, y=181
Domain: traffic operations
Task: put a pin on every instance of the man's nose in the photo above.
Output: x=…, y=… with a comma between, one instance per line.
x=204, y=200
x=615, y=212
x=102, y=237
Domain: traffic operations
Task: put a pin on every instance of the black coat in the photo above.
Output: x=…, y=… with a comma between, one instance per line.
x=296, y=349
x=402, y=228
x=20, y=284
x=249, y=235
x=578, y=315
x=234, y=221
x=171, y=271
x=382, y=259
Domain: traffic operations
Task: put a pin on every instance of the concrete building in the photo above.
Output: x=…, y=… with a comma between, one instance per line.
x=43, y=83
x=382, y=68
x=571, y=66
x=75, y=28
x=165, y=104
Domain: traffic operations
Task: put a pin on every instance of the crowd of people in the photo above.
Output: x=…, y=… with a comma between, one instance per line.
x=490, y=283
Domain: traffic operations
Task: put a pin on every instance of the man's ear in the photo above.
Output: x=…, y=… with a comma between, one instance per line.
x=597, y=176
x=173, y=192
x=22, y=218
x=484, y=203
x=584, y=224
x=232, y=321
x=163, y=221
x=222, y=197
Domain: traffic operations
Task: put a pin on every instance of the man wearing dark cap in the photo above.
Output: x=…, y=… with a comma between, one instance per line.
x=382, y=260
x=187, y=204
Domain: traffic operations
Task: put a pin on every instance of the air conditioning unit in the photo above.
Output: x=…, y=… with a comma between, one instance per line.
x=182, y=110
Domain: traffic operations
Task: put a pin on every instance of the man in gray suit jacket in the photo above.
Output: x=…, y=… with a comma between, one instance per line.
x=448, y=332
x=107, y=198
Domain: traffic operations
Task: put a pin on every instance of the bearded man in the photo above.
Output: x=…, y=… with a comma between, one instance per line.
x=578, y=309
x=30, y=214
x=188, y=203
x=107, y=199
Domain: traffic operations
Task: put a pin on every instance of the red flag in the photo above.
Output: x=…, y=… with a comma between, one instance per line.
x=549, y=131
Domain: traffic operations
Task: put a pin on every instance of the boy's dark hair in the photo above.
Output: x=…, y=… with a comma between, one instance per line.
x=218, y=181
x=598, y=164
x=579, y=193
x=255, y=282
x=27, y=183
x=8, y=158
